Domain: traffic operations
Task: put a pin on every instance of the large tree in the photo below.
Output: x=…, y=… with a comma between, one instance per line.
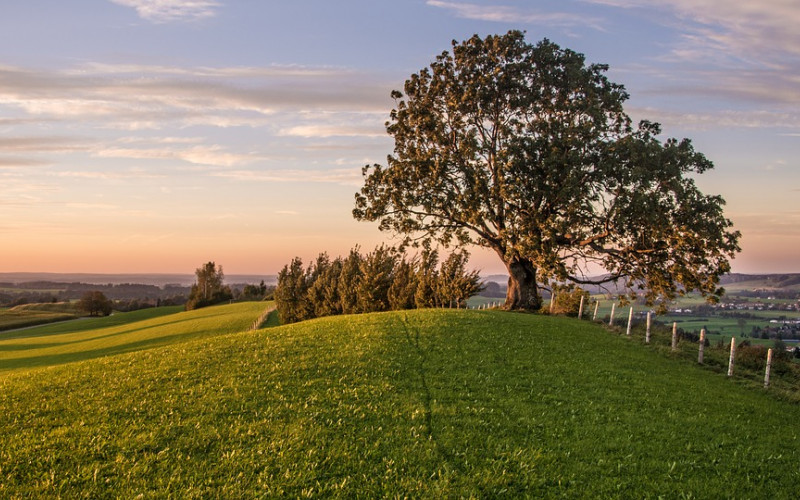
x=526, y=150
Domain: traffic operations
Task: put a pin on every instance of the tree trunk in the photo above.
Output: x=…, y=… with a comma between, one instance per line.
x=523, y=291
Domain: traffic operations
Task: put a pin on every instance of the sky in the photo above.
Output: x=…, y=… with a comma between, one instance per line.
x=151, y=136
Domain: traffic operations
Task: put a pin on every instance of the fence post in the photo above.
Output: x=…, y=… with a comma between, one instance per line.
x=647, y=334
x=769, y=368
x=596, y=305
x=675, y=336
x=580, y=308
x=702, y=346
x=611, y=320
x=630, y=321
x=733, y=356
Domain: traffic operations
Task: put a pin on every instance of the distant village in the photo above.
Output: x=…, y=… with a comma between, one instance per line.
x=784, y=327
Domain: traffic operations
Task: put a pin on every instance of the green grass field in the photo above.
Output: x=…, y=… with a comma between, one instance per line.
x=433, y=404
x=122, y=332
x=36, y=314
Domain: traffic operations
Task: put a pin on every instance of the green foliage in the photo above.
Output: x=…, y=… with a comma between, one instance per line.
x=255, y=292
x=381, y=280
x=95, y=304
x=427, y=276
x=568, y=300
x=377, y=276
x=526, y=150
x=456, y=284
x=419, y=404
x=209, y=288
x=291, y=293
x=403, y=287
x=348, y=282
x=753, y=357
x=324, y=292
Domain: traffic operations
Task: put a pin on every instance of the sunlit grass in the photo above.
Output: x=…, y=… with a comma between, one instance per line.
x=122, y=332
x=436, y=404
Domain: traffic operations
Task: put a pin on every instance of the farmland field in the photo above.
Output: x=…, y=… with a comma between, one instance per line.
x=35, y=314
x=122, y=332
x=432, y=403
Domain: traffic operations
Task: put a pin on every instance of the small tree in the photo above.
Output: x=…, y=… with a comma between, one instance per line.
x=404, y=286
x=455, y=284
x=324, y=292
x=349, y=279
x=426, y=277
x=291, y=295
x=568, y=300
x=209, y=288
x=95, y=303
x=377, y=269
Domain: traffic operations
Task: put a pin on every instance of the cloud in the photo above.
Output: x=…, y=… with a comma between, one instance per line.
x=131, y=97
x=213, y=155
x=109, y=174
x=728, y=64
x=165, y=11
x=342, y=176
x=19, y=191
x=715, y=119
x=91, y=206
x=762, y=33
x=324, y=125
x=12, y=161
x=515, y=15
x=43, y=144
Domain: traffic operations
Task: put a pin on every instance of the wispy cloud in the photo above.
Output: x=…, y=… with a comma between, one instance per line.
x=14, y=161
x=165, y=11
x=152, y=97
x=43, y=144
x=343, y=176
x=515, y=15
x=762, y=32
x=126, y=175
x=715, y=119
x=214, y=155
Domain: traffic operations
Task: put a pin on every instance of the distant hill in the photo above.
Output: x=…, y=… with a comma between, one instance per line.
x=117, y=279
x=735, y=281
x=732, y=282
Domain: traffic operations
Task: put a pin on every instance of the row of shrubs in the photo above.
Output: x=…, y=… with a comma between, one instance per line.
x=382, y=280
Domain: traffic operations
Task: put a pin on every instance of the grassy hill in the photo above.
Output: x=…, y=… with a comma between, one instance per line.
x=36, y=314
x=122, y=332
x=436, y=403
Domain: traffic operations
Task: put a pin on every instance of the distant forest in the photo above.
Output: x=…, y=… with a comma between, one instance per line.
x=15, y=292
x=127, y=296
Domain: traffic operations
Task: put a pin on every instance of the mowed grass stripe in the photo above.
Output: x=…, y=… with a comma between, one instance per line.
x=421, y=404
x=119, y=333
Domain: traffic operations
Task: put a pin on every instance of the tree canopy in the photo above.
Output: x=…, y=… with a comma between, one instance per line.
x=526, y=150
x=381, y=280
x=95, y=303
x=209, y=288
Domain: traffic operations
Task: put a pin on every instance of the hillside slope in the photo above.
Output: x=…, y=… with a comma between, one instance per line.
x=420, y=404
x=122, y=332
